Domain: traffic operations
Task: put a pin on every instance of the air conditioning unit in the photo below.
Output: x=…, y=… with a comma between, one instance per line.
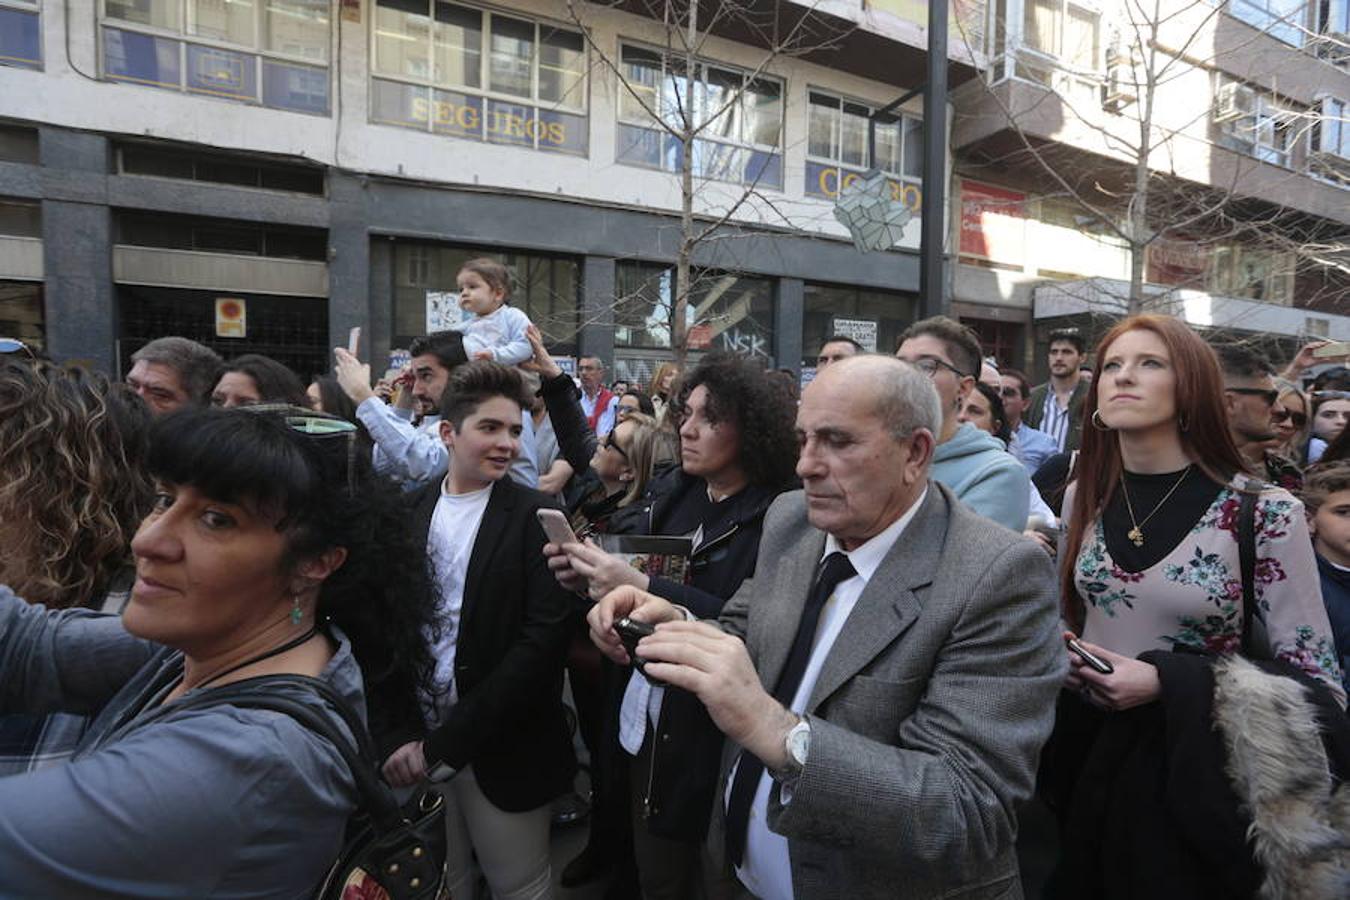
x=1118, y=87
x=1234, y=101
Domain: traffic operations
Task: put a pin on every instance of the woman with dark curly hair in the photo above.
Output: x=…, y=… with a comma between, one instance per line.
x=738, y=451
x=253, y=378
x=265, y=553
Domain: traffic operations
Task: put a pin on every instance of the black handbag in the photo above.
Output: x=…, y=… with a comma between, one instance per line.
x=390, y=852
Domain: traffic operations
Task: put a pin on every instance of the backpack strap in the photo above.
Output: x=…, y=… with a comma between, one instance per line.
x=376, y=799
x=1247, y=561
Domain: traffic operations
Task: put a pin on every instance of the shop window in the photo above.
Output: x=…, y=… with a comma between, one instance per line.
x=1001, y=340
x=839, y=309
x=545, y=288
x=725, y=310
x=740, y=116
x=20, y=34
x=480, y=75
x=837, y=150
x=21, y=312
x=269, y=52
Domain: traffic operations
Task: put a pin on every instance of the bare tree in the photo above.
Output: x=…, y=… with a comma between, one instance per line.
x=1143, y=117
x=688, y=112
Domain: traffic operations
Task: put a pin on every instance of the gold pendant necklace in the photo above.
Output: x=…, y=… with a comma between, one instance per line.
x=1136, y=534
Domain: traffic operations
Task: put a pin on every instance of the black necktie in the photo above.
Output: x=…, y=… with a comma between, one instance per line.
x=836, y=568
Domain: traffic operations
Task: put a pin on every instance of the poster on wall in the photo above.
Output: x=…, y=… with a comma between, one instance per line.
x=864, y=331
x=993, y=223
x=443, y=312
x=231, y=317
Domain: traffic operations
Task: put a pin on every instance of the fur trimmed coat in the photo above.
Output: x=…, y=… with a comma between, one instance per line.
x=1220, y=789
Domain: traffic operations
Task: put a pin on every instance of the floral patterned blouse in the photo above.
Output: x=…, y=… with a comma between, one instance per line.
x=1193, y=596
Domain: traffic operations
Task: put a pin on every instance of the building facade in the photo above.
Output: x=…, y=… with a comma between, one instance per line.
x=262, y=175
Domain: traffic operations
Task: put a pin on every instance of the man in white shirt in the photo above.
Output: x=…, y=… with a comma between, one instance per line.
x=887, y=678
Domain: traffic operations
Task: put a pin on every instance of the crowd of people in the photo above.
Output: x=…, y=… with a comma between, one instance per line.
x=816, y=644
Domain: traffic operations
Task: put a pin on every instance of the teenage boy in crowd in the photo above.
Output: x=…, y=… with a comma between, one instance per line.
x=1056, y=407
x=497, y=743
x=414, y=454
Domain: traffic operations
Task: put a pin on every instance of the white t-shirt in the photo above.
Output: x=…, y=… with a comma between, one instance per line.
x=450, y=540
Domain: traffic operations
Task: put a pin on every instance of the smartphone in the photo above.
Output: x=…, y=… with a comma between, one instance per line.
x=354, y=340
x=1335, y=348
x=1093, y=660
x=631, y=631
x=555, y=527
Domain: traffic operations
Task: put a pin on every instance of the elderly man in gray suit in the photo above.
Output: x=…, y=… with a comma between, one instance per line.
x=886, y=679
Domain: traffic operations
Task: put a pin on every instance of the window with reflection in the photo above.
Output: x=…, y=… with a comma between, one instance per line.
x=837, y=150
x=891, y=311
x=270, y=52
x=472, y=73
x=739, y=117
x=725, y=310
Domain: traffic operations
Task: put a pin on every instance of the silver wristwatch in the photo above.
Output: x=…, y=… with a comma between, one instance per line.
x=798, y=745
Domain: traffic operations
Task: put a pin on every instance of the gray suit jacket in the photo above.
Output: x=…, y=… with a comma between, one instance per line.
x=930, y=711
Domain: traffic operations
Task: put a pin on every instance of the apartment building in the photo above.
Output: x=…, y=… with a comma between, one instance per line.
x=264, y=174
x=1245, y=170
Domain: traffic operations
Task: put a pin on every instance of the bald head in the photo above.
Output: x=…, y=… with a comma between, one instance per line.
x=899, y=394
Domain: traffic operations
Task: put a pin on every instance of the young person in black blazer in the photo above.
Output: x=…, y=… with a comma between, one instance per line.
x=497, y=740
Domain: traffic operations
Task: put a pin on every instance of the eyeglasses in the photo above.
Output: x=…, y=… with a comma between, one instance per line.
x=929, y=366
x=610, y=444
x=626, y=409
x=316, y=425
x=1009, y=392
x=1269, y=396
x=1279, y=415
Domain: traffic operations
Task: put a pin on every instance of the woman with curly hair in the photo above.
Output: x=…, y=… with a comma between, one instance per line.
x=266, y=553
x=738, y=451
x=72, y=483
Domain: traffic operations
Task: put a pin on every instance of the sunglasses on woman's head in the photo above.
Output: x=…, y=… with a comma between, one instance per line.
x=316, y=425
x=13, y=345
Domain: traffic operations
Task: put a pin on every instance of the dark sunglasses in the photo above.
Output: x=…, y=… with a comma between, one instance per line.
x=1279, y=415
x=1269, y=396
x=610, y=444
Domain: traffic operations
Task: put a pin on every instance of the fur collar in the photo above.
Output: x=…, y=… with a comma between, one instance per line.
x=1300, y=832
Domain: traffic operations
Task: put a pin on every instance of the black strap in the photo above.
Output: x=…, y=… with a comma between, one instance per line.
x=377, y=800
x=1247, y=561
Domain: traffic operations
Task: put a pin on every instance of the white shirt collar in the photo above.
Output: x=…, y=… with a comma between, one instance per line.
x=867, y=557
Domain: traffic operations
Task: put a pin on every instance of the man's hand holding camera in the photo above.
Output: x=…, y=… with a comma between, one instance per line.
x=702, y=659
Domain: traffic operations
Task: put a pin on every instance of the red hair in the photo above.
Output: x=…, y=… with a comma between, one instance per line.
x=1205, y=437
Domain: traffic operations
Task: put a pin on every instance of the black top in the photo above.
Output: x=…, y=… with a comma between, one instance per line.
x=1169, y=525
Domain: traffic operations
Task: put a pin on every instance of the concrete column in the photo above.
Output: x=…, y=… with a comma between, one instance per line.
x=349, y=268
x=80, y=315
x=789, y=313
x=596, y=337
x=381, y=321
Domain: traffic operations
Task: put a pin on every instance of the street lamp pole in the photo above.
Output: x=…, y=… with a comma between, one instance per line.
x=933, y=299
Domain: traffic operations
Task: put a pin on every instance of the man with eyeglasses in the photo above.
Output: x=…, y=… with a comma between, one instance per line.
x=836, y=347
x=975, y=465
x=1031, y=447
x=1252, y=401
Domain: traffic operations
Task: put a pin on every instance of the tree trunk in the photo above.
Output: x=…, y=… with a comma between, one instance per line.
x=679, y=311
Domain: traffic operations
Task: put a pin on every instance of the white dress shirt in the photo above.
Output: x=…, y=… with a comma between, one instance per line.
x=605, y=423
x=766, y=869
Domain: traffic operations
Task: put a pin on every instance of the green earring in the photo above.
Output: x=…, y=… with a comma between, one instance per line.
x=296, y=612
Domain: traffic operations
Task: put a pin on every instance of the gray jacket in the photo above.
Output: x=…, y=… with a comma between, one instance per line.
x=929, y=713
x=210, y=802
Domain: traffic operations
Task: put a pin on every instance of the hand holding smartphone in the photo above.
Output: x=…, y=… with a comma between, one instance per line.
x=1094, y=662
x=556, y=527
